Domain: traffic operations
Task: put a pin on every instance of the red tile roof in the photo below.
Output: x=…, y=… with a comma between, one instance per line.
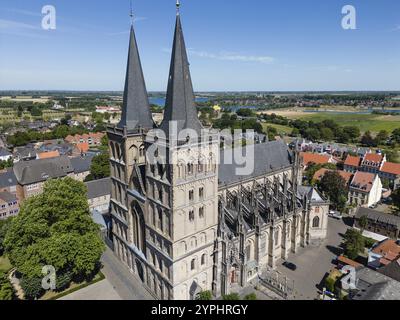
x=389, y=250
x=348, y=262
x=345, y=175
x=316, y=158
x=83, y=147
x=352, y=161
x=48, y=155
x=390, y=167
x=363, y=181
x=373, y=157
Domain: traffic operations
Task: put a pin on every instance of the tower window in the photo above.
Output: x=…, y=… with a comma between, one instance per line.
x=191, y=215
x=191, y=195
x=193, y=264
x=201, y=212
x=190, y=168
x=201, y=193
x=203, y=259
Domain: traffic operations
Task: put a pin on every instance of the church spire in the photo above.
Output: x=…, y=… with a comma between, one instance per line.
x=135, y=109
x=180, y=103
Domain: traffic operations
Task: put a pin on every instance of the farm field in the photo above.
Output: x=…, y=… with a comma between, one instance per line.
x=365, y=122
x=281, y=129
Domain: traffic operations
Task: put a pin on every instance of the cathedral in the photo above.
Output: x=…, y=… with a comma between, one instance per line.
x=183, y=220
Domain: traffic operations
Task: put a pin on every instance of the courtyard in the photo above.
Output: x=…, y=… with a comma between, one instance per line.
x=313, y=263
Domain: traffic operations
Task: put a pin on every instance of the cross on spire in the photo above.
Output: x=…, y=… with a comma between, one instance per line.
x=131, y=14
x=178, y=6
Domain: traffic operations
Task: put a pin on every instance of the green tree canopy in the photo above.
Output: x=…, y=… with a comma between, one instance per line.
x=334, y=186
x=100, y=167
x=55, y=228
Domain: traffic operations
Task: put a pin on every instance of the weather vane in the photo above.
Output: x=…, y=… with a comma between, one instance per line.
x=178, y=5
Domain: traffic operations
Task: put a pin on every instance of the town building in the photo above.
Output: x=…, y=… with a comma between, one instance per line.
x=186, y=223
x=99, y=192
x=380, y=223
x=316, y=158
x=9, y=206
x=8, y=181
x=352, y=164
x=93, y=139
x=5, y=155
x=383, y=253
x=81, y=165
x=365, y=189
x=347, y=176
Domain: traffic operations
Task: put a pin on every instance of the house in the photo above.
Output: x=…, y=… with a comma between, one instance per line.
x=372, y=162
x=8, y=181
x=383, y=253
x=347, y=176
x=381, y=223
x=56, y=145
x=5, y=155
x=391, y=270
x=365, y=189
x=25, y=153
x=81, y=148
x=93, y=139
x=99, y=192
x=391, y=172
x=31, y=175
x=9, y=206
x=351, y=164
x=372, y=285
x=108, y=109
x=316, y=158
x=81, y=166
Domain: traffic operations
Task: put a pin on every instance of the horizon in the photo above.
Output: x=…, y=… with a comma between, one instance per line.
x=242, y=48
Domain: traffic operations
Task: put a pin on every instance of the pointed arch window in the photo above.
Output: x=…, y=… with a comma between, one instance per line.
x=315, y=223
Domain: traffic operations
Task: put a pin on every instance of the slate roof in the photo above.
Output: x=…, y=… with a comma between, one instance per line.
x=136, y=109
x=4, y=152
x=7, y=179
x=34, y=171
x=379, y=217
x=98, y=188
x=268, y=157
x=180, y=102
x=375, y=286
x=7, y=197
x=82, y=163
x=312, y=194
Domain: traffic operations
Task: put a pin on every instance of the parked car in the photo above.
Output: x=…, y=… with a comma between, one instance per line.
x=335, y=214
x=290, y=265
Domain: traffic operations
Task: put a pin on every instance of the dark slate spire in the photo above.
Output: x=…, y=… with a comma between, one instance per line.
x=180, y=103
x=136, y=109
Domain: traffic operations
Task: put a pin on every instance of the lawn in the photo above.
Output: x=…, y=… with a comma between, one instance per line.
x=365, y=122
x=5, y=264
x=281, y=129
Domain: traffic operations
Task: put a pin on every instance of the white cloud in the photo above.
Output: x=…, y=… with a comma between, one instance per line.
x=230, y=56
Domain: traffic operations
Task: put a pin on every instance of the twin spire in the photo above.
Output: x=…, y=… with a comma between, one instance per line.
x=180, y=101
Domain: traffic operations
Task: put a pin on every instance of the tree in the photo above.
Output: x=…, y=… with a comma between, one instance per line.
x=382, y=137
x=245, y=112
x=230, y=297
x=352, y=132
x=396, y=200
x=205, y=296
x=251, y=296
x=326, y=134
x=32, y=287
x=4, y=225
x=354, y=243
x=100, y=167
x=6, y=289
x=396, y=135
x=367, y=140
x=334, y=186
x=363, y=223
x=55, y=228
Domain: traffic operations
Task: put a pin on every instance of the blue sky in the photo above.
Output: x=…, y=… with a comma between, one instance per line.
x=260, y=45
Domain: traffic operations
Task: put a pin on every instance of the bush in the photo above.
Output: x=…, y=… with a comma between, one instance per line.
x=251, y=296
x=330, y=284
x=32, y=287
x=232, y=296
x=368, y=242
x=63, y=280
x=6, y=289
x=205, y=295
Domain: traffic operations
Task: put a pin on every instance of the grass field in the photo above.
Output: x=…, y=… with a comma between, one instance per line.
x=281, y=129
x=365, y=122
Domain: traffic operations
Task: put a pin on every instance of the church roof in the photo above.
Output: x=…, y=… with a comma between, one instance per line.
x=180, y=102
x=268, y=157
x=135, y=109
